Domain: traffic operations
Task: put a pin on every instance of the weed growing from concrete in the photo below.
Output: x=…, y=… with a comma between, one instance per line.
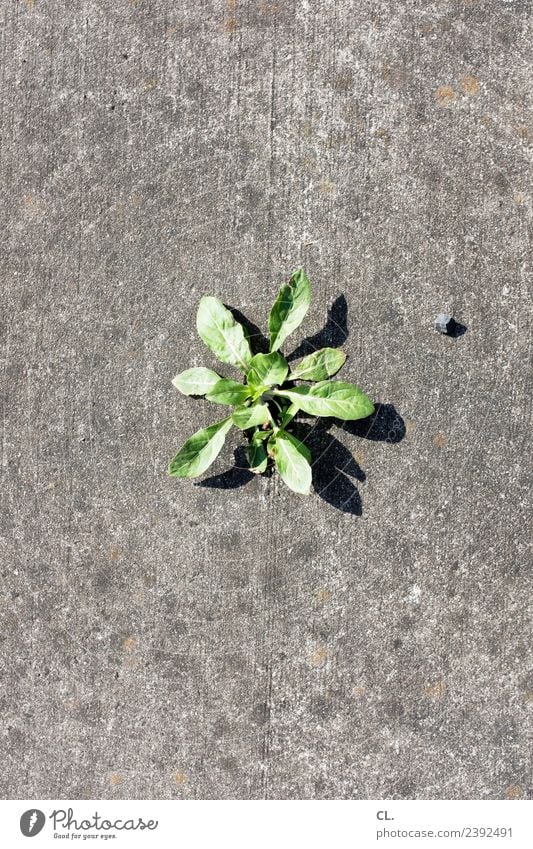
x=272, y=393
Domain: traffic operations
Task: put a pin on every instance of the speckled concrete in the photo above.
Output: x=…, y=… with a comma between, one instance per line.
x=162, y=639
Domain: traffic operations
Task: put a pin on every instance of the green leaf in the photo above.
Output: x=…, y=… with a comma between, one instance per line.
x=245, y=417
x=289, y=308
x=267, y=370
x=196, y=381
x=222, y=334
x=319, y=365
x=299, y=445
x=330, y=398
x=226, y=391
x=288, y=415
x=291, y=464
x=260, y=436
x=200, y=450
x=257, y=458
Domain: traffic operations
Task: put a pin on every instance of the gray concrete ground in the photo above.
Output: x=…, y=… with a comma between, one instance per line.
x=163, y=639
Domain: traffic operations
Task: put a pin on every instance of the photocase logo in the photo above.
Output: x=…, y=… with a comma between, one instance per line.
x=32, y=822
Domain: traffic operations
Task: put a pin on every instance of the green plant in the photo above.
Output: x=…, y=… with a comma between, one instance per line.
x=269, y=399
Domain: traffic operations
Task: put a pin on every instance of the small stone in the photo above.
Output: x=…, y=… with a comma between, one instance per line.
x=444, y=323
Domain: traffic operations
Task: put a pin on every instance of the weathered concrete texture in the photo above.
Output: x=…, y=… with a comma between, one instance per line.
x=164, y=639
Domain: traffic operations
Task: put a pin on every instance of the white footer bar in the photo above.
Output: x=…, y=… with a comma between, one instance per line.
x=276, y=824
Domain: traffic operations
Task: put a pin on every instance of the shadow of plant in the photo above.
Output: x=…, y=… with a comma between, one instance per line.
x=260, y=343
x=233, y=478
x=334, y=468
x=333, y=465
x=384, y=425
x=333, y=334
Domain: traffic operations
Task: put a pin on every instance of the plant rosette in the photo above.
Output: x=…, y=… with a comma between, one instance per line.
x=272, y=394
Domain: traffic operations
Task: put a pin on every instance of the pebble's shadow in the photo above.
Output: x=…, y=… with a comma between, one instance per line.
x=335, y=471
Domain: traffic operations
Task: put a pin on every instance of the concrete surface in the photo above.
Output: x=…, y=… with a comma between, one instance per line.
x=162, y=639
